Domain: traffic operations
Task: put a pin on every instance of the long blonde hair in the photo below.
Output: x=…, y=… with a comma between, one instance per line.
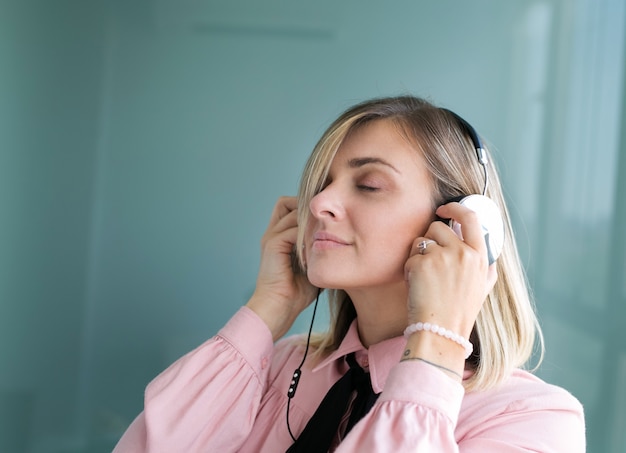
x=506, y=330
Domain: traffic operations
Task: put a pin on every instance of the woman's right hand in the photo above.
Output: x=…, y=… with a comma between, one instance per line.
x=281, y=293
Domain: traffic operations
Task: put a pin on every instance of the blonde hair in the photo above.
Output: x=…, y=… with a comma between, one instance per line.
x=507, y=328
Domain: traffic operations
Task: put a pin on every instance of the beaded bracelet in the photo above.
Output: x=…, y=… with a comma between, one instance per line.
x=434, y=328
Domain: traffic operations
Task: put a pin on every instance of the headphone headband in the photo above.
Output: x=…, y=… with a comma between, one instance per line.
x=481, y=155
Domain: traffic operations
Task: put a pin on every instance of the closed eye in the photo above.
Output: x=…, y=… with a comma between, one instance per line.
x=366, y=188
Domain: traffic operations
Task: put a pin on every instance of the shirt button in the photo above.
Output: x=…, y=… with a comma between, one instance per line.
x=264, y=363
x=365, y=362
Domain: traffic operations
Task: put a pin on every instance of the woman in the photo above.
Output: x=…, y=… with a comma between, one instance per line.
x=366, y=228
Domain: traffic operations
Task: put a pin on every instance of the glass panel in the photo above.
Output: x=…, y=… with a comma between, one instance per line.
x=618, y=433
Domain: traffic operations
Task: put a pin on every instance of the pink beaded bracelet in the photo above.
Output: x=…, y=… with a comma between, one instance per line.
x=434, y=328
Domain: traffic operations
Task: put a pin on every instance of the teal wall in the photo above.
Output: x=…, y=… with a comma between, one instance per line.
x=143, y=144
x=50, y=93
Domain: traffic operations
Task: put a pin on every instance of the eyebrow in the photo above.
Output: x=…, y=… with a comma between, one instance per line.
x=358, y=162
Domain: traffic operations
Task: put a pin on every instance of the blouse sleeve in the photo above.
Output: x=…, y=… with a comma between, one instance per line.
x=208, y=399
x=419, y=409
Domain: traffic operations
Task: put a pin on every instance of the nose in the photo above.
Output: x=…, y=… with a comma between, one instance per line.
x=326, y=204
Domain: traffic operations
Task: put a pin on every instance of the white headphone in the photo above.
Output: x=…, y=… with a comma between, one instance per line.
x=485, y=208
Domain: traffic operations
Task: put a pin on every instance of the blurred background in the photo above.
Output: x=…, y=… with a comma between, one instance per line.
x=143, y=144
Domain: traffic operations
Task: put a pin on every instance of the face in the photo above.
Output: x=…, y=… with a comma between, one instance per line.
x=376, y=201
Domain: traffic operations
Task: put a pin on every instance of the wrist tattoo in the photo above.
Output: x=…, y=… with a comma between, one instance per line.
x=405, y=358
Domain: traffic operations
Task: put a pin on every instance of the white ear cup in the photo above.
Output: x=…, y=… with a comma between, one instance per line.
x=490, y=219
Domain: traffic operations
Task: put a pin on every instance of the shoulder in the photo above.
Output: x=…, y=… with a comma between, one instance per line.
x=525, y=390
x=522, y=400
x=288, y=354
x=522, y=391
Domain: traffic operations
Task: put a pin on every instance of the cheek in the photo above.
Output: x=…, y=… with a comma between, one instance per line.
x=400, y=235
x=391, y=242
x=403, y=231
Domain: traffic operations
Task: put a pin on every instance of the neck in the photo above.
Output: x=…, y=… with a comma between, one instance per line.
x=381, y=313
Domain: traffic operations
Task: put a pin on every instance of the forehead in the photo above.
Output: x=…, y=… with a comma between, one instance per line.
x=379, y=142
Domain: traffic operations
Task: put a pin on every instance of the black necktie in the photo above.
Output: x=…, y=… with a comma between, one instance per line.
x=322, y=428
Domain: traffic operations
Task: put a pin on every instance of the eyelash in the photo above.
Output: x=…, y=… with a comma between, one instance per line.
x=367, y=188
x=361, y=187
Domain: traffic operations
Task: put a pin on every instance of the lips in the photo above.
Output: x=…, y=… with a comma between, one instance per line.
x=324, y=240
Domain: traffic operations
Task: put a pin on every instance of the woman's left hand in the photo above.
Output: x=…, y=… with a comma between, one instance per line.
x=450, y=280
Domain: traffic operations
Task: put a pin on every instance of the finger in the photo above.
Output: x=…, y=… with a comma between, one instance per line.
x=283, y=206
x=473, y=232
x=422, y=245
x=441, y=233
x=492, y=275
x=289, y=220
x=283, y=235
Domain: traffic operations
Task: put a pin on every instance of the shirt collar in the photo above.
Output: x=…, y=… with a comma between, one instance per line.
x=380, y=357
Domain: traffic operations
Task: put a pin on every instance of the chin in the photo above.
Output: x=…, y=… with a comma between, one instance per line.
x=325, y=281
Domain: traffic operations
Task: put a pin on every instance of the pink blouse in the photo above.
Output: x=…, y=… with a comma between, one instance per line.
x=230, y=395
